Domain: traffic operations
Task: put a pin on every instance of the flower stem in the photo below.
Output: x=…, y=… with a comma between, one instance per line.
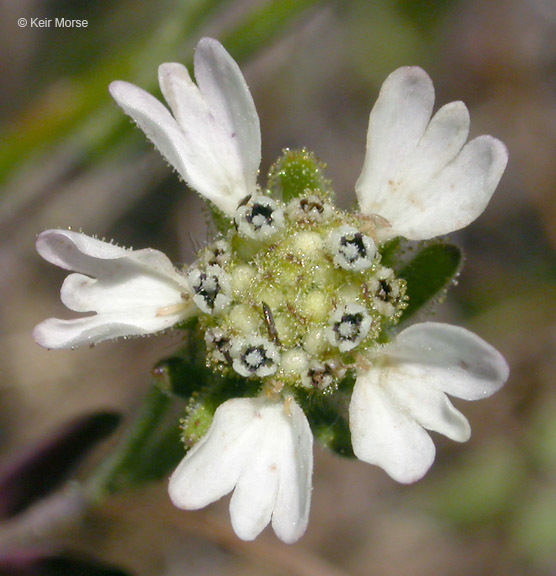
x=117, y=472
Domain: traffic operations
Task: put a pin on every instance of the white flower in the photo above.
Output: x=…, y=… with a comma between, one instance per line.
x=254, y=356
x=351, y=249
x=348, y=326
x=133, y=292
x=213, y=138
x=210, y=288
x=418, y=175
x=419, y=180
x=403, y=394
x=262, y=450
x=260, y=218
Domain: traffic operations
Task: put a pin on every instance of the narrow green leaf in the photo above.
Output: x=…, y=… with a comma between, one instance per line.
x=429, y=275
x=263, y=23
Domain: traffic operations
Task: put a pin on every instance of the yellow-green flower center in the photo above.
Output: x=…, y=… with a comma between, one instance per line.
x=294, y=293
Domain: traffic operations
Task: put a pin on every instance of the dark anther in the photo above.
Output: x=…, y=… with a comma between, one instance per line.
x=222, y=344
x=385, y=291
x=348, y=327
x=357, y=241
x=321, y=377
x=310, y=205
x=254, y=358
x=208, y=292
x=260, y=210
x=244, y=201
x=270, y=326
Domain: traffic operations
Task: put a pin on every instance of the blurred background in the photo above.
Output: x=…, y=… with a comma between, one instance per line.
x=69, y=158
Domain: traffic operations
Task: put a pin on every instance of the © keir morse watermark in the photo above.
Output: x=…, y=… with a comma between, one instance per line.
x=51, y=23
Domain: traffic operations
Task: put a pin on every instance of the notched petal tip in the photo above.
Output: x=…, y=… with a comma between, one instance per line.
x=385, y=435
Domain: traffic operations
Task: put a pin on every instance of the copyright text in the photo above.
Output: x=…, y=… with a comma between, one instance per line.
x=51, y=23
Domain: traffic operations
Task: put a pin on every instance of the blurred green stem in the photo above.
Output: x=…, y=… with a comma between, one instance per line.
x=61, y=512
x=118, y=470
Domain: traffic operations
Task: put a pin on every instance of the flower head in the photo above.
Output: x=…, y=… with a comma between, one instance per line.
x=296, y=296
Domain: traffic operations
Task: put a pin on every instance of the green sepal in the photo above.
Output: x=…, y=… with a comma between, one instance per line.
x=204, y=403
x=429, y=274
x=296, y=172
x=327, y=415
x=186, y=372
x=221, y=221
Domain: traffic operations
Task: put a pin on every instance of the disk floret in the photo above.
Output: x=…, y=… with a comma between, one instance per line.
x=295, y=293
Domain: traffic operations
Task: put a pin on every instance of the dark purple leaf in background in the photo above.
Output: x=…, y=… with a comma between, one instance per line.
x=43, y=563
x=47, y=464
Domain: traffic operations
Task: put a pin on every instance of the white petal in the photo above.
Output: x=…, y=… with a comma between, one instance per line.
x=81, y=253
x=428, y=406
x=291, y=514
x=397, y=122
x=254, y=497
x=384, y=434
x=133, y=292
x=276, y=479
x=460, y=193
x=427, y=185
x=55, y=333
x=222, y=84
x=442, y=141
x=212, y=467
x=263, y=451
x=214, y=141
x=455, y=197
x=449, y=358
x=156, y=122
x=404, y=392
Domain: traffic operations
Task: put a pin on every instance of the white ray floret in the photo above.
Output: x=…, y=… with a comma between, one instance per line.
x=132, y=292
x=418, y=174
x=263, y=451
x=403, y=394
x=212, y=138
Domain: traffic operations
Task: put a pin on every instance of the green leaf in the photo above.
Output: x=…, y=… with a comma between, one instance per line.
x=389, y=252
x=221, y=221
x=158, y=457
x=327, y=415
x=429, y=275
